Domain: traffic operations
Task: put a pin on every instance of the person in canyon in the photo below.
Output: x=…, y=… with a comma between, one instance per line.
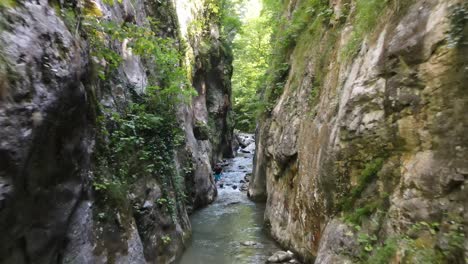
x=218, y=171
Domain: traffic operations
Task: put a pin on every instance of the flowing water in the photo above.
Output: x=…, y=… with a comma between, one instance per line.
x=219, y=229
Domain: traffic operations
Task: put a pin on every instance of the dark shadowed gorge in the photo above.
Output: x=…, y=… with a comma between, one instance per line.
x=340, y=127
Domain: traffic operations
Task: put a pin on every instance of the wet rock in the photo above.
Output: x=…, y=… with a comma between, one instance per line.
x=249, y=243
x=244, y=140
x=241, y=181
x=234, y=187
x=247, y=177
x=281, y=256
x=147, y=204
x=235, y=144
x=337, y=243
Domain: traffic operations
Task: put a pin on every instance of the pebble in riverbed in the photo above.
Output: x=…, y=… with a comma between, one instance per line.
x=249, y=243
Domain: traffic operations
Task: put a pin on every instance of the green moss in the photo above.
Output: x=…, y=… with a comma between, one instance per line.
x=359, y=214
x=308, y=23
x=137, y=142
x=110, y=2
x=201, y=131
x=368, y=174
x=91, y=9
x=383, y=254
x=367, y=16
x=7, y=3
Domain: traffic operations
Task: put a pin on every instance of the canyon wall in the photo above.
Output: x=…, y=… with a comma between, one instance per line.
x=96, y=166
x=362, y=156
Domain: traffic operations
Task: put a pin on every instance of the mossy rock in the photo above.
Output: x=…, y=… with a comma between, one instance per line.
x=201, y=131
x=7, y=3
x=92, y=9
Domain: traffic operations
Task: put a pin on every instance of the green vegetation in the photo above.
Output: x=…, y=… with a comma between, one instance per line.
x=166, y=240
x=201, y=131
x=223, y=12
x=367, y=15
x=262, y=55
x=251, y=49
x=135, y=145
x=259, y=79
x=229, y=18
x=382, y=254
x=310, y=20
x=91, y=9
x=359, y=214
x=7, y=3
x=368, y=175
x=144, y=42
x=367, y=241
x=137, y=142
x=419, y=244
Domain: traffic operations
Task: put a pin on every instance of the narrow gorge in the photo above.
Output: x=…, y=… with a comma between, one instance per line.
x=116, y=114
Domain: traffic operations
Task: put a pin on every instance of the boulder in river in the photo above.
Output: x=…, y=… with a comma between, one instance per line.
x=244, y=140
x=281, y=256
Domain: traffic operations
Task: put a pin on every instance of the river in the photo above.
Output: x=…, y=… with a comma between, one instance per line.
x=219, y=229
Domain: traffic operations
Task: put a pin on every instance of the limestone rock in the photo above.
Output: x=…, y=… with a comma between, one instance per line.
x=49, y=100
x=281, y=256
x=386, y=107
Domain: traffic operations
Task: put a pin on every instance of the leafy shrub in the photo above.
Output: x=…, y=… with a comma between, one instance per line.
x=138, y=141
x=368, y=13
x=383, y=254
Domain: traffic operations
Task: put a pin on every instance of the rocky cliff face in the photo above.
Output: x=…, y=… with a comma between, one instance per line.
x=209, y=129
x=363, y=155
x=90, y=172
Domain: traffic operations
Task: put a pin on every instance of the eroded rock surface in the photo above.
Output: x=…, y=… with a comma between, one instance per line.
x=49, y=96
x=382, y=145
